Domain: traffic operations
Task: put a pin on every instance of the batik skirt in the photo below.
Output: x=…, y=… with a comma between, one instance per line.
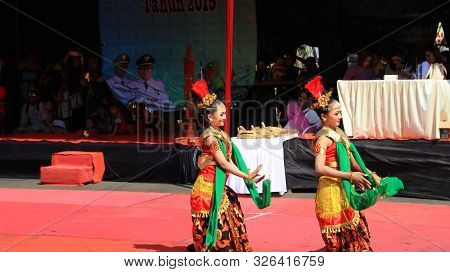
x=231, y=230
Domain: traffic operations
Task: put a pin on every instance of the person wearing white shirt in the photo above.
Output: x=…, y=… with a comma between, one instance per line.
x=119, y=84
x=151, y=91
x=437, y=69
x=422, y=70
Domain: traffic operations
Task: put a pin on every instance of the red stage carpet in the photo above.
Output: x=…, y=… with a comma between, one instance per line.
x=65, y=220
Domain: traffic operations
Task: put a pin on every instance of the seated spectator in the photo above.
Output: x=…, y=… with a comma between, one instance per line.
x=29, y=119
x=90, y=128
x=437, y=69
x=89, y=131
x=97, y=92
x=59, y=126
x=380, y=67
x=311, y=69
x=296, y=117
x=73, y=70
x=363, y=70
x=119, y=84
x=46, y=117
x=310, y=114
x=64, y=110
x=262, y=72
x=49, y=83
x=292, y=72
x=398, y=67
x=149, y=90
x=279, y=69
x=29, y=71
x=118, y=124
x=102, y=120
x=422, y=70
x=300, y=115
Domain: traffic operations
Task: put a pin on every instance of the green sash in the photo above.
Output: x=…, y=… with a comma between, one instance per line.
x=359, y=201
x=219, y=184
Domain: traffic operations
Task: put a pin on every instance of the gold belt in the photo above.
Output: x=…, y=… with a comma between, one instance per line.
x=327, y=178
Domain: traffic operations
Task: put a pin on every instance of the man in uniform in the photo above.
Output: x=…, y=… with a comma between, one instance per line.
x=120, y=85
x=153, y=95
x=152, y=91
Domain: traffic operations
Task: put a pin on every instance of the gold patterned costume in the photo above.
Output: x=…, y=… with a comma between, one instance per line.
x=231, y=230
x=343, y=228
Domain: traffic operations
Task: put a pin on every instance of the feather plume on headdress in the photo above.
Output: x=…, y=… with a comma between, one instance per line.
x=200, y=88
x=315, y=87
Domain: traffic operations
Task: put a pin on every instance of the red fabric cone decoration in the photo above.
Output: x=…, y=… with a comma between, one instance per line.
x=315, y=87
x=200, y=88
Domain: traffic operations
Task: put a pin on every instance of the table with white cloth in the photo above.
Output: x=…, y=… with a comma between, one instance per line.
x=268, y=152
x=393, y=109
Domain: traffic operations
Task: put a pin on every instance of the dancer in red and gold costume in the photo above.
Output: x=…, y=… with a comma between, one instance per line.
x=342, y=171
x=217, y=217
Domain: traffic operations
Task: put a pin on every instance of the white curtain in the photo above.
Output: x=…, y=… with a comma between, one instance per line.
x=397, y=109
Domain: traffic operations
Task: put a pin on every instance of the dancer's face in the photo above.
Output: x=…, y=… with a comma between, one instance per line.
x=333, y=118
x=218, y=117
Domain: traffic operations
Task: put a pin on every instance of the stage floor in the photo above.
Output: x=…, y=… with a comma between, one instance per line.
x=86, y=219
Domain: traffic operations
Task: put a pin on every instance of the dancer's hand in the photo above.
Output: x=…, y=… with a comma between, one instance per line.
x=376, y=178
x=259, y=178
x=359, y=180
x=254, y=174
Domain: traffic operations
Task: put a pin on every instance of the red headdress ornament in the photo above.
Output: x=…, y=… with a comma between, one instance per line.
x=200, y=88
x=315, y=87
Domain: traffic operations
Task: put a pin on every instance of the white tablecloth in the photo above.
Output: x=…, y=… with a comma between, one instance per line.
x=269, y=153
x=398, y=109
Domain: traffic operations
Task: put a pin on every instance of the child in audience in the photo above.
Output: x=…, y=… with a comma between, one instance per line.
x=46, y=118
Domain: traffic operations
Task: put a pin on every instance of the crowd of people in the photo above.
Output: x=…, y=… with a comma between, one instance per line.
x=369, y=66
x=375, y=66
x=71, y=95
x=284, y=68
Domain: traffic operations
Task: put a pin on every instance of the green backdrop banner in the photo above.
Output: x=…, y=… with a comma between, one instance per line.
x=164, y=28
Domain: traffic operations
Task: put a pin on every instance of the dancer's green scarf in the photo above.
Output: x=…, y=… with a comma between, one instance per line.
x=359, y=201
x=261, y=202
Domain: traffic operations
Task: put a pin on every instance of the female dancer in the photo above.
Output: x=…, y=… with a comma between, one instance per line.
x=338, y=204
x=217, y=217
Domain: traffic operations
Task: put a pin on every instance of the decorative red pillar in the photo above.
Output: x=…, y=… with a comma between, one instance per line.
x=189, y=70
x=229, y=61
x=188, y=125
